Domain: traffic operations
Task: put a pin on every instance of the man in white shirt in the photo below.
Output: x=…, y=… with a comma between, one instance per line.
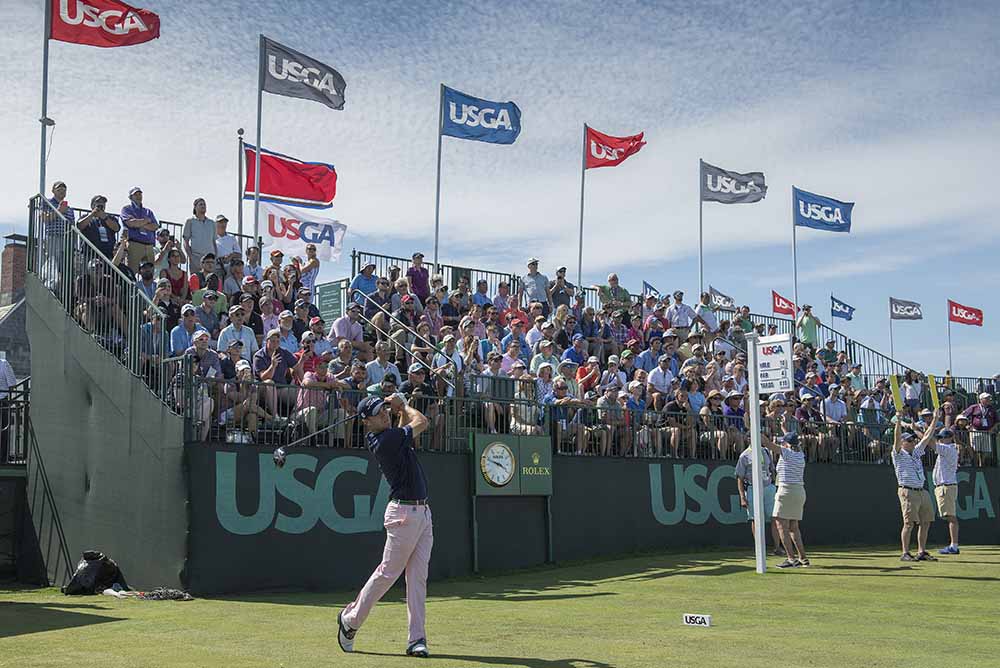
x=834, y=408
x=448, y=365
x=914, y=501
x=946, y=484
x=660, y=382
x=681, y=316
x=237, y=330
x=535, y=334
x=380, y=367
x=706, y=311
x=227, y=247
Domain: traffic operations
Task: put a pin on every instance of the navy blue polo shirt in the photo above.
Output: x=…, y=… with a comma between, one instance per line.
x=393, y=449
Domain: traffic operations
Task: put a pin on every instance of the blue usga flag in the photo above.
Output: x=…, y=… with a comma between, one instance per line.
x=468, y=117
x=839, y=309
x=820, y=213
x=648, y=290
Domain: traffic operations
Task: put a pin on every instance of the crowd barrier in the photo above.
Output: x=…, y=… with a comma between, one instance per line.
x=260, y=413
x=14, y=416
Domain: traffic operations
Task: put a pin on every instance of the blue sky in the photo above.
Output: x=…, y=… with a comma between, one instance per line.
x=891, y=105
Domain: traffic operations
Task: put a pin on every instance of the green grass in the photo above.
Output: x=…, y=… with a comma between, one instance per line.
x=851, y=608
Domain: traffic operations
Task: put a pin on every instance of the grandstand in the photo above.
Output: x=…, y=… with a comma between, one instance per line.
x=153, y=382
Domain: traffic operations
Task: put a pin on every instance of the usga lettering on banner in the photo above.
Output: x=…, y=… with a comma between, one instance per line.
x=602, y=152
x=290, y=229
x=725, y=184
x=297, y=73
x=109, y=20
x=473, y=116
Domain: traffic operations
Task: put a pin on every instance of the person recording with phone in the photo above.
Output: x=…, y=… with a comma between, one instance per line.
x=99, y=227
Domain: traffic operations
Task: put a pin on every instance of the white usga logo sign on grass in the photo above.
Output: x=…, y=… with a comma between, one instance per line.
x=697, y=620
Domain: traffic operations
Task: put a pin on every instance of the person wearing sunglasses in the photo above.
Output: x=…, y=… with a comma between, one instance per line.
x=99, y=227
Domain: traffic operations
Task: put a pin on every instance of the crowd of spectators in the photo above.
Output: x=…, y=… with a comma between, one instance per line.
x=633, y=376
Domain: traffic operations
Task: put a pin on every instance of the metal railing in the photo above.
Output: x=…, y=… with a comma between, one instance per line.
x=99, y=297
x=176, y=231
x=14, y=417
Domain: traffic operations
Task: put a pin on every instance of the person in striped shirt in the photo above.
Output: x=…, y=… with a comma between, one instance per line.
x=790, y=499
x=914, y=501
x=946, y=484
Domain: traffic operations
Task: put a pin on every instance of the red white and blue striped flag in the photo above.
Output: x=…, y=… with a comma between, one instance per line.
x=288, y=180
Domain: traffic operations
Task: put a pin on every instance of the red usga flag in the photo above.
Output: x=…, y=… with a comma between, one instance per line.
x=607, y=151
x=965, y=315
x=289, y=180
x=781, y=305
x=104, y=23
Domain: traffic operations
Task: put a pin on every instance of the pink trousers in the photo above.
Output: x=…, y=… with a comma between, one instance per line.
x=409, y=538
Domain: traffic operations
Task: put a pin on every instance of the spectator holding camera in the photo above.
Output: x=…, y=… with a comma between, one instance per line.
x=99, y=227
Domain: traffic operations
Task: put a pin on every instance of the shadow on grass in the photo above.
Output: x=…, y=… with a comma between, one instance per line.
x=23, y=618
x=511, y=660
x=907, y=571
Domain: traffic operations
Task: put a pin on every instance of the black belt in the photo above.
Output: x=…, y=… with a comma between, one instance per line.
x=915, y=489
x=411, y=502
x=947, y=484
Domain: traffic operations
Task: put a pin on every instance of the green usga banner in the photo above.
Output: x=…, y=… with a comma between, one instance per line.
x=509, y=465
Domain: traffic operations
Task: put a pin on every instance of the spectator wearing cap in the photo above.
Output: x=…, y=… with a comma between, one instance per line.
x=55, y=227
x=401, y=288
x=790, y=499
x=347, y=328
x=275, y=257
x=378, y=303
x=706, y=312
x=181, y=335
x=806, y=327
x=146, y=281
x=682, y=317
x=618, y=331
x=736, y=424
x=566, y=371
x=627, y=362
x=234, y=282
x=307, y=344
x=828, y=354
x=432, y=316
x=300, y=323
x=418, y=276
x=561, y=292
x=660, y=382
x=363, y=285
x=855, y=378
x=594, y=334
x=451, y=311
x=288, y=339
x=811, y=388
x=249, y=286
x=229, y=357
x=208, y=317
x=151, y=346
x=447, y=366
x=305, y=294
x=464, y=294
x=141, y=225
x=613, y=376
x=267, y=290
x=544, y=356
x=681, y=422
x=534, y=335
x=914, y=501
x=208, y=359
x=165, y=242
x=268, y=313
x=945, y=478
x=227, y=246
x=237, y=331
x=321, y=346
x=577, y=352
x=198, y=234
x=517, y=335
x=380, y=367
x=163, y=300
x=561, y=409
x=535, y=286
x=512, y=354
x=275, y=365
x=252, y=319
x=982, y=418
x=99, y=227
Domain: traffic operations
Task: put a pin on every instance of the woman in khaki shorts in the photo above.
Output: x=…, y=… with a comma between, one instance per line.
x=790, y=500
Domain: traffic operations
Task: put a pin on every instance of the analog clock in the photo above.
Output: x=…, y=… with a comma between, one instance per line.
x=497, y=464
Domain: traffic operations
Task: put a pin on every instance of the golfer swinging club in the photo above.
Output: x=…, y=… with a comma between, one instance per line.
x=409, y=534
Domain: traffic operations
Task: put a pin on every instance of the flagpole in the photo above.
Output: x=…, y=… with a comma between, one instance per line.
x=437, y=196
x=239, y=183
x=44, y=119
x=949, y=339
x=795, y=265
x=701, y=246
x=583, y=180
x=256, y=166
x=892, y=352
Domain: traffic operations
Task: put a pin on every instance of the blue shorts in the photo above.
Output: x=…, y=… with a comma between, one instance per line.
x=768, y=502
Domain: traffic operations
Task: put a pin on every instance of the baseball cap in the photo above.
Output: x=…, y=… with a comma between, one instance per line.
x=567, y=362
x=663, y=358
x=267, y=284
x=354, y=307
x=304, y=291
x=613, y=359
x=308, y=336
x=558, y=269
x=416, y=367
x=301, y=303
x=544, y=343
x=221, y=219
x=285, y=314
x=145, y=264
x=926, y=411
x=246, y=297
x=187, y=308
x=578, y=337
x=908, y=436
x=791, y=438
x=734, y=395
x=235, y=343
x=133, y=190
x=210, y=294
x=242, y=364
x=247, y=280
x=669, y=333
x=678, y=294
x=418, y=254
x=370, y=407
x=447, y=338
x=315, y=320
x=945, y=433
x=199, y=334
x=984, y=395
x=593, y=360
x=518, y=364
x=234, y=309
x=163, y=232
x=163, y=282
x=627, y=353
x=273, y=332
x=277, y=253
x=532, y=260
x=406, y=299
x=634, y=384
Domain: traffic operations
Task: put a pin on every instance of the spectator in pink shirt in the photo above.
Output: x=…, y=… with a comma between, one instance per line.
x=347, y=328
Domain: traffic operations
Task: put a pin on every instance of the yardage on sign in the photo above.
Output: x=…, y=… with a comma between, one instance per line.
x=774, y=363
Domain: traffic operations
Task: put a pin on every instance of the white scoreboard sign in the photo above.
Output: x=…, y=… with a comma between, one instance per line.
x=774, y=364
